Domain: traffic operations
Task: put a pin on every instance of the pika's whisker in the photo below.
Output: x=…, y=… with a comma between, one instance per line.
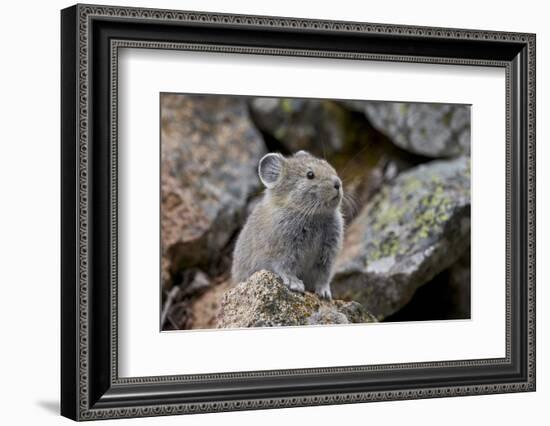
x=351, y=205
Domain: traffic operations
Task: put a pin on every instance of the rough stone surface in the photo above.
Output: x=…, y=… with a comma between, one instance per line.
x=415, y=227
x=318, y=126
x=209, y=155
x=433, y=130
x=206, y=308
x=264, y=301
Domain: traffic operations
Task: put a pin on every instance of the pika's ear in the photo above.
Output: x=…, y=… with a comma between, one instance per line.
x=270, y=169
x=302, y=153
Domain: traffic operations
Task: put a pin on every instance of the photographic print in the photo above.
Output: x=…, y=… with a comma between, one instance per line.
x=298, y=212
x=366, y=185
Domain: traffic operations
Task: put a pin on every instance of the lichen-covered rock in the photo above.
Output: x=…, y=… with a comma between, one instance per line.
x=264, y=301
x=209, y=154
x=432, y=130
x=415, y=227
x=319, y=126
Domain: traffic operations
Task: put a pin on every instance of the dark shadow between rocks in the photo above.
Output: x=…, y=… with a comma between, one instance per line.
x=436, y=300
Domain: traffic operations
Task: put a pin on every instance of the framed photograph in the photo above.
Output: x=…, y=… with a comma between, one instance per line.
x=263, y=212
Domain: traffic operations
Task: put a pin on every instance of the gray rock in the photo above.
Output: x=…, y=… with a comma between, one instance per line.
x=210, y=152
x=414, y=228
x=433, y=130
x=318, y=126
x=264, y=301
x=327, y=316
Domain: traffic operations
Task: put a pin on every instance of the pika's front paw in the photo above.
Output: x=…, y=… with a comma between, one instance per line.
x=324, y=293
x=294, y=283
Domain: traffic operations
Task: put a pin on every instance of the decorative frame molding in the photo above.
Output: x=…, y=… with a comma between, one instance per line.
x=91, y=388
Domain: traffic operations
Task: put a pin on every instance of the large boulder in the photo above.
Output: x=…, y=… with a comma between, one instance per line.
x=414, y=228
x=264, y=301
x=210, y=152
x=318, y=126
x=432, y=130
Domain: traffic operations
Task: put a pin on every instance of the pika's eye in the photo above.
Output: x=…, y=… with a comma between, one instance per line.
x=310, y=175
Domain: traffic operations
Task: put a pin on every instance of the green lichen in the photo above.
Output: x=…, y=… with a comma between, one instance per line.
x=434, y=211
x=400, y=219
x=388, y=213
x=389, y=247
x=411, y=185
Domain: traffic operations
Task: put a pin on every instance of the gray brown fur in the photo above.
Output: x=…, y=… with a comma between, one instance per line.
x=296, y=229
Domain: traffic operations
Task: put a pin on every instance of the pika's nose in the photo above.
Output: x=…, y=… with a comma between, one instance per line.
x=337, y=183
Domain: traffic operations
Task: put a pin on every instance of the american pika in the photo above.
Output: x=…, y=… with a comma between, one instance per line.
x=296, y=229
